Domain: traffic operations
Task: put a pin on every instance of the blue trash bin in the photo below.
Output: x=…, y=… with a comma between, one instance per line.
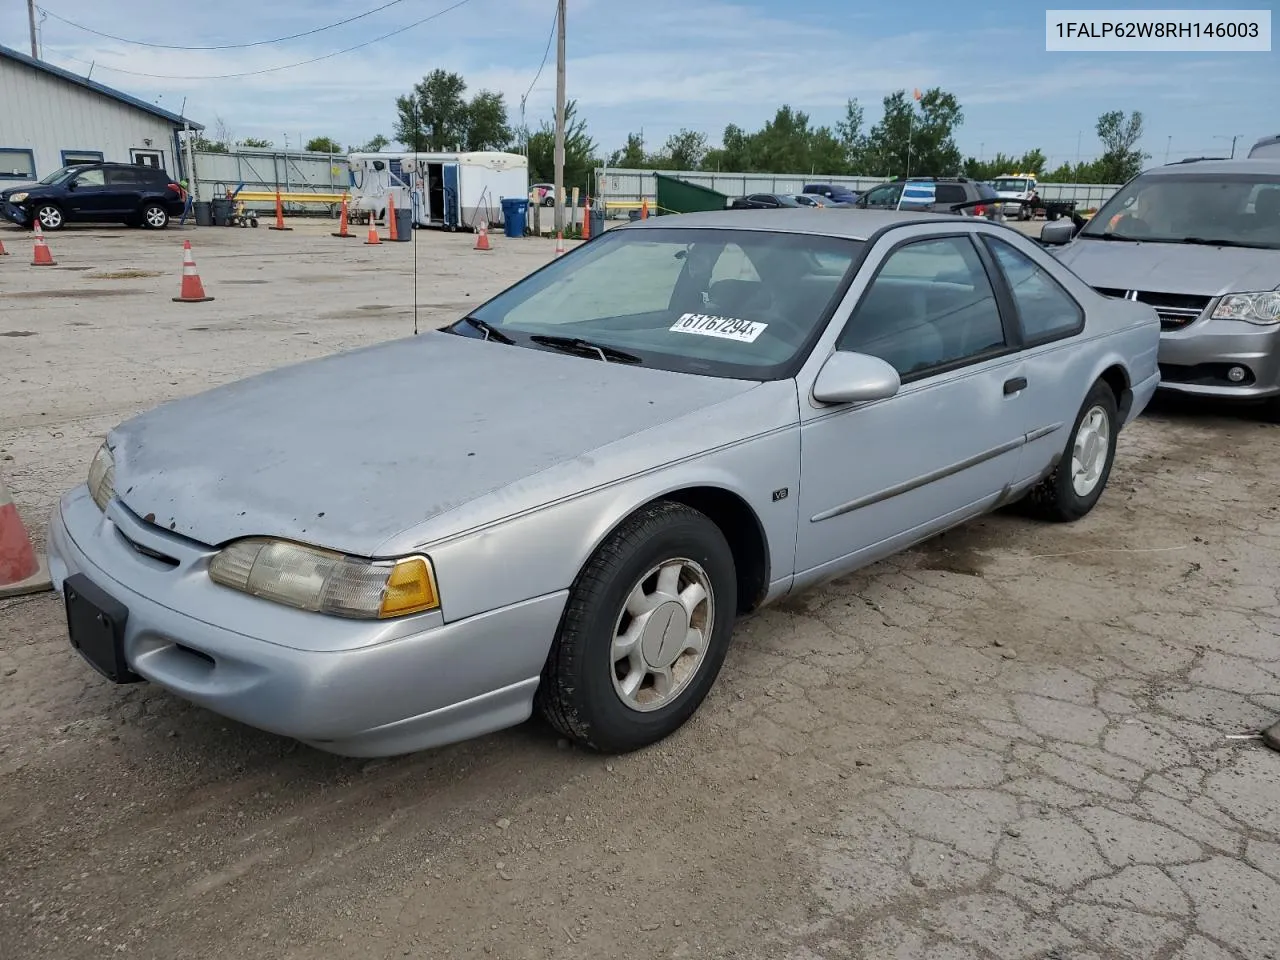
x=514, y=213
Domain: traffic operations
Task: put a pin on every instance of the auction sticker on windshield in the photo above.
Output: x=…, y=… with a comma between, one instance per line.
x=726, y=328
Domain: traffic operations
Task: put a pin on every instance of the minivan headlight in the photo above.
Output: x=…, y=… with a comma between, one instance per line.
x=1262, y=308
x=102, y=477
x=325, y=581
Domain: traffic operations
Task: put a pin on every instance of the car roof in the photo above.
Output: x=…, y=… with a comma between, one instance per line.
x=1255, y=165
x=851, y=224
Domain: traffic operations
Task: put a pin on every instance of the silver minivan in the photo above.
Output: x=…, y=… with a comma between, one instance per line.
x=1200, y=242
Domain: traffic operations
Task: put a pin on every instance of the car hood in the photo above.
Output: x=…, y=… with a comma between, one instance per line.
x=1172, y=267
x=348, y=451
x=17, y=187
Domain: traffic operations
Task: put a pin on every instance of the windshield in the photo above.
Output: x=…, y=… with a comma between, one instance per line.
x=1005, y=185
x=730, y=303
x=59, y=175
x=1237, y=209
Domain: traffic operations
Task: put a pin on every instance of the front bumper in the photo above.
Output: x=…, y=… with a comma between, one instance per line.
x=1195, y=359
x=13, y=213
x=357, y=688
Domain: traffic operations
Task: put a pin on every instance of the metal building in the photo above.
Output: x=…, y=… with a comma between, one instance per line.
x=51, y=117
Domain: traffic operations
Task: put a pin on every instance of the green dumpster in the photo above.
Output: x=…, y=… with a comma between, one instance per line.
x=679, y=196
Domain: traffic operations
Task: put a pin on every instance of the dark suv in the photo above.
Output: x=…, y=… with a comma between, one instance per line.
x=937, y=194
x=838, y=194
x=96, y=193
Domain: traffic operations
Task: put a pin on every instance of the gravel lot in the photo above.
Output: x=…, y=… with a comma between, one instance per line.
x=1011, y=742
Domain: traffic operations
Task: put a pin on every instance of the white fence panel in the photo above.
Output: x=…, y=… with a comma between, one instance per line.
x=622, y=185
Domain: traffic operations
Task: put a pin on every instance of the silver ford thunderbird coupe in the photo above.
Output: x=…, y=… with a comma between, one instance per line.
x=567, y=497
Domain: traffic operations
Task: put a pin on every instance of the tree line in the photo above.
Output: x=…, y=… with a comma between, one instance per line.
x=915, y=136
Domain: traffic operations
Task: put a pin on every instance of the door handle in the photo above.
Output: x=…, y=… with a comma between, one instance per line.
x=1014, y=385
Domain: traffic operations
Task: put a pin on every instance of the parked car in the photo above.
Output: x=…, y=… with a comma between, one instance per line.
x=1200, y=242
x=835, y=192
x=759, y=402
x=96, y=193
x=815, y=200
x=764, y=201
x=544, y=193
x=934, y=193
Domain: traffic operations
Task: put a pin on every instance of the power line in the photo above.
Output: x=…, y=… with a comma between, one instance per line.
x=221, y=46
x=286, y=66
x=555, y=17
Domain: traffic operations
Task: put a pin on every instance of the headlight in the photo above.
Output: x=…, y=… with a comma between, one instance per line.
x=1250, y=307
x=102, y=477
x=18, y=197
x=326, y=582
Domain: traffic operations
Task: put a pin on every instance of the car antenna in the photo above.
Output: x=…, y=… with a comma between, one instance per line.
x=413, y=215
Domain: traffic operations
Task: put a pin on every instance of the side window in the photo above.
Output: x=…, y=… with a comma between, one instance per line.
x=931, y=305
x=1046, y=310
x=950, y=193
x=91, y=178
x=120, y=176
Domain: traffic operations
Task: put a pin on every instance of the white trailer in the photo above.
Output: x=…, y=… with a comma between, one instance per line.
x=448, y=190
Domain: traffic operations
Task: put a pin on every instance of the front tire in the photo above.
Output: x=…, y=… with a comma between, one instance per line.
x=49, y=216
x=155, y=217
x=1078, y=480
x=644, y=633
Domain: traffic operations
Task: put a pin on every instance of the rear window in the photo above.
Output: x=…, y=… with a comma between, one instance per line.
x=950, y=193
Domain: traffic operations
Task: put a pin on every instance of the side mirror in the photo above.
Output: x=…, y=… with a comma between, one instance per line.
x=1057, y=232
x=855, y=378
x=72, y=185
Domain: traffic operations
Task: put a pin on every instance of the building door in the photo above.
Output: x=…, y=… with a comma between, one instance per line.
x=452, y=207
x=148, y=158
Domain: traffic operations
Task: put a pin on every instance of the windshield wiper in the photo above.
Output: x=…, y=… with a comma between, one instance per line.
x=490, y=332
x=585, y=348
x=1113, y=236
x=1206, y=242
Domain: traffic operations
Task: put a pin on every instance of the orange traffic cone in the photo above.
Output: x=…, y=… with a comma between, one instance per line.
x=42, y=256
x=21, y=571
x=586, y=219
x=279, y=224
x=373, y=231
x=644, y=209
x=3, y=251
x=192, y=288
x=559, y=243
x=482, y=236
x=342, y=224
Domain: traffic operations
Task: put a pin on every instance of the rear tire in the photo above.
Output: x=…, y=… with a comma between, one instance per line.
x=644, y=633
x=1078, y=480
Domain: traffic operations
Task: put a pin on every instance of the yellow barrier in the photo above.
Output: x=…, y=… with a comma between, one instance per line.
x=264, y=196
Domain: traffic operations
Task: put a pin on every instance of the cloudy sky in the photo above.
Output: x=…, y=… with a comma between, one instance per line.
x=654, y=66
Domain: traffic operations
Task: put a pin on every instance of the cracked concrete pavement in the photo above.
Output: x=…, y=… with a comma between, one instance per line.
x=1010, y=742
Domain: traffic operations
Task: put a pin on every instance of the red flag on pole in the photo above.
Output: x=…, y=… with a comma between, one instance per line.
x=916, y=94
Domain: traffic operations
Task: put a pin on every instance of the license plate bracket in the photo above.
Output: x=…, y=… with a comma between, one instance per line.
x=95, y=625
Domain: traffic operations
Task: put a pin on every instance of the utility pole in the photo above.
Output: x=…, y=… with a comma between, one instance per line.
x=559, y=160
x=31, y=20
